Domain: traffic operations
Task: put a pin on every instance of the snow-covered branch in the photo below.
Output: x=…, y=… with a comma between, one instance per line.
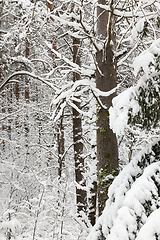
x=84, y=71
x=147, y=63
x=70, y=92
x=126, y=14
x=25, y=73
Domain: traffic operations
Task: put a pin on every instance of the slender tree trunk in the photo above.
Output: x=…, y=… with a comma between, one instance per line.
x=50, y=6
x=3, y=110
x=92, y=203
x=27, y=80
x=60, y=134
x=27, y=100
x=61, y=148
x=106, y=79
x=77, y=139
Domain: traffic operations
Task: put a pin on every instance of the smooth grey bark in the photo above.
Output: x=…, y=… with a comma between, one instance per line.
x=106, y=79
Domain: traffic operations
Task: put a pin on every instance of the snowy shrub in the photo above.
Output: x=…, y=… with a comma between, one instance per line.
x=9, y=225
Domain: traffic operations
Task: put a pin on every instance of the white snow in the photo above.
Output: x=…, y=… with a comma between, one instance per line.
x=25, y=3
x=137, y=29
x=146, y=57
x=132, y=210
x=5, y=223
x=119, y=111
x=127, y=100
x=151, y=227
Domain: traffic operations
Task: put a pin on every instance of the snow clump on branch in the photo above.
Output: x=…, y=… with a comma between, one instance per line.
x=147, y=65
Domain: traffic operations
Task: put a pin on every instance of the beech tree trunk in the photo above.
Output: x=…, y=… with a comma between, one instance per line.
x=106, y=79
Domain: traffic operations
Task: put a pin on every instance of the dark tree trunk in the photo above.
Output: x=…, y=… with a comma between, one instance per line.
x=50, y=6
x=26, y=96
x=106, y=79
x=26, y=79
x=92, y=203
x=77, y=139
x=60, y=140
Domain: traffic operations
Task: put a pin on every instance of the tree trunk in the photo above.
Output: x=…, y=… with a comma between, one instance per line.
x=77, y=139
x=26, y=79
x=50, y=6
x=61, y=149
x=106, y=79
x=92, y=203
x=26, y=95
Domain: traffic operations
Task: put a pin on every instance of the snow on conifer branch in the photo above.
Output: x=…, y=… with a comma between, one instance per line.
x=146, y=67
x=133, y=200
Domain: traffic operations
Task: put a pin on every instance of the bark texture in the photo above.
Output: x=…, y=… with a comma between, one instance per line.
x=77, y=140
x=106, y=79
x=92, y=203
